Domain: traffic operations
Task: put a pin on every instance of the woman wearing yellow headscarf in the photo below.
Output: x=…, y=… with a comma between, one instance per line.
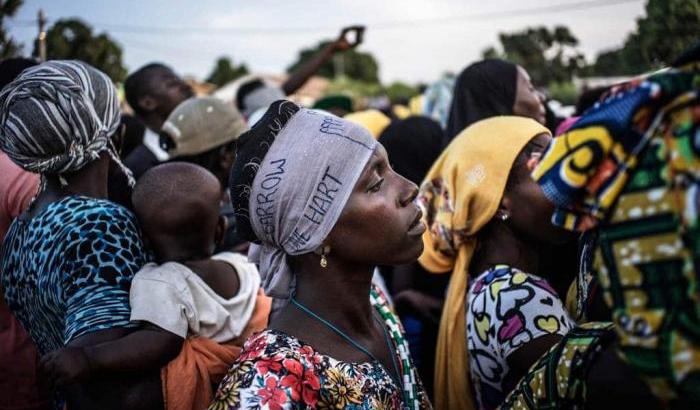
x=485, y=217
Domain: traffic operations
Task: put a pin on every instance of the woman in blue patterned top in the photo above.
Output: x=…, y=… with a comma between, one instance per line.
x=68, y=261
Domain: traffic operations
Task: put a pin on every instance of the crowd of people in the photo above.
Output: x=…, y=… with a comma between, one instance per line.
x=466, y=250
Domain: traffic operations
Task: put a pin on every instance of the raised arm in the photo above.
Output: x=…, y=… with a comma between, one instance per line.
x=302, y=74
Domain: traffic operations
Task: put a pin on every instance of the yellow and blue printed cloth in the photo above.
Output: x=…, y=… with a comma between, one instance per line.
x=630, y=168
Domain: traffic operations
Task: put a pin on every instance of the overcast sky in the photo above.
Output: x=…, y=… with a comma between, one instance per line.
x=413, y=40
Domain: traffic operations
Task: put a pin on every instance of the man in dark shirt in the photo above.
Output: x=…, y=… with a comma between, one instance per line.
x=153, y=91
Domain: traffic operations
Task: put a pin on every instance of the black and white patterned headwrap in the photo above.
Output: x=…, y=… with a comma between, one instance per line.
x=59, y=116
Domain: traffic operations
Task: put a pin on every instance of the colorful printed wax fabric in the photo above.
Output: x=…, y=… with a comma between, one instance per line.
x=278, y=371
x=507, y=308
x=558, y=379
x=631, y=165
x=67, y=271
x=580, y=299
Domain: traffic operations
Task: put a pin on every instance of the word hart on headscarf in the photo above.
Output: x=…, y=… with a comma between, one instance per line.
x=301, y=188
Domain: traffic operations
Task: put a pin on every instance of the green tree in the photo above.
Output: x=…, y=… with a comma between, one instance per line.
x=357, y=90
x=8, y=46
x=491, y=52
x=351, y=63
x=73, y=39
x=669, y=28
x=224, y=72
x=399, y=92
x=623, y=61
x=547, y=55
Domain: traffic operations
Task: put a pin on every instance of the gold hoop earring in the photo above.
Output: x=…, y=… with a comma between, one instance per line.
x=324, y=260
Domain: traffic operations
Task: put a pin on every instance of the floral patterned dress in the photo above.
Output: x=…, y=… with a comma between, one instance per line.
x=277, y=371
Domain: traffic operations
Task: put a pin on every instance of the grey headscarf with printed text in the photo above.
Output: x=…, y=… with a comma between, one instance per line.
x=301, y=188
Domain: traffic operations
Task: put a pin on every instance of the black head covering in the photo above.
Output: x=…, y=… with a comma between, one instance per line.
x=690, y=55
x=11, y=68
x=252, y=148
x=413, y=145
x=484, y=89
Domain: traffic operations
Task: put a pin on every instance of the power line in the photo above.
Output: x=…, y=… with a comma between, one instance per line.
x=22, y=23
x=382, y=25
x=555, y=8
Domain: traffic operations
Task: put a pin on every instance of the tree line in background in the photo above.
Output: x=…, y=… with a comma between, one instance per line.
x=551, y=56
x=669, y=27
x=552, y=59
x=8, y=46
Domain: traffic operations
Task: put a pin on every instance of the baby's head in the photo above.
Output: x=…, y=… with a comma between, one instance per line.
x=177, y=205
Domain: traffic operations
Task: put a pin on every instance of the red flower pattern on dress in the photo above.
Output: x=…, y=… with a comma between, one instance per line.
x=254, y=347
x=264, y=366
x=293, y=374
x=304, y=384
x=309, y=353
x=272, y=395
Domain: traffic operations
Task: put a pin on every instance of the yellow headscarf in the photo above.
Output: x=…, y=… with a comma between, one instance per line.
x=459, y=196
x=374, y=120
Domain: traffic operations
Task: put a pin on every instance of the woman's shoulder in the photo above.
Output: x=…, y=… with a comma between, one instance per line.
x=85, y=214
x=501, y=277
x=88, y=226
x=509, y=307
x=76, y=206
x=275, y=345
x=102, y=208
x=273, y=369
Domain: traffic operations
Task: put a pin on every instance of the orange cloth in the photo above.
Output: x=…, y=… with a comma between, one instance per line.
x=187, y=380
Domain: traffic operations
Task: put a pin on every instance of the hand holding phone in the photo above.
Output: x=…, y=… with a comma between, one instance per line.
x=350, y=37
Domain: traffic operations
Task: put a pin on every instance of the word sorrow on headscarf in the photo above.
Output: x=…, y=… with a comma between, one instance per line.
x=301, y=188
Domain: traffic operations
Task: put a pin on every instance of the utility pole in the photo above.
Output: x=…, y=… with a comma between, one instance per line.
x=42, y=35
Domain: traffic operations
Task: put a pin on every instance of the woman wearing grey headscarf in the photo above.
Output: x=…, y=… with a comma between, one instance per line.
x=68, y=261
x=317, y=194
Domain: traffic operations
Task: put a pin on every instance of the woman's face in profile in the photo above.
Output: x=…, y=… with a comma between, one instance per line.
x=380, y=224
x=528, y=101
x=529, y=209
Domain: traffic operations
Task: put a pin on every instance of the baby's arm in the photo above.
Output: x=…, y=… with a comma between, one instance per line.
x=150, y=347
